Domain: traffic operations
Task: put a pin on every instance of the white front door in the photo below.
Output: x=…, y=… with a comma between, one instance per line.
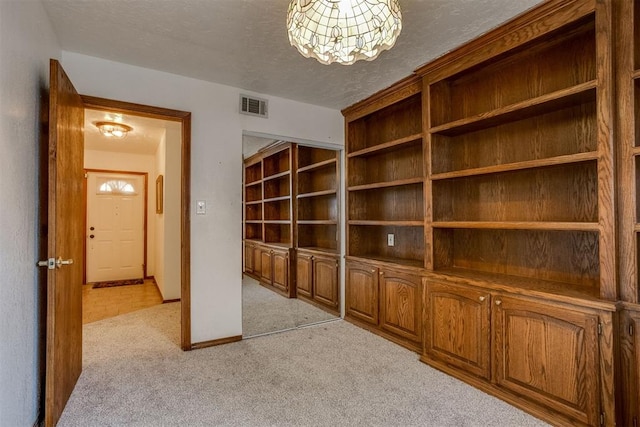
x=115, y=226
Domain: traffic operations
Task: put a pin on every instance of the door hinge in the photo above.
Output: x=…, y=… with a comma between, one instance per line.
x=601, y=418
x=599, y=328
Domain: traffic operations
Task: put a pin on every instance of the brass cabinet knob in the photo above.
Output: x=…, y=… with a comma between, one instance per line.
x=482, y=299
x=498, y=302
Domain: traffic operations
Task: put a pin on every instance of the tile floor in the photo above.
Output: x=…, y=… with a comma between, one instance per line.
x=102, y=303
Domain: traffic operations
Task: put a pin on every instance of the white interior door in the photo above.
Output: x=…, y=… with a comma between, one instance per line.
x=115, y=226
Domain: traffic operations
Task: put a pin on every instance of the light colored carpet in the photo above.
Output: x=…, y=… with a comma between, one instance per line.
x=334, y=374
x=265, y=311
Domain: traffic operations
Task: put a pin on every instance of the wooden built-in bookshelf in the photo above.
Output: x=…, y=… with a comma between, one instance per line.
x=627, y=67
x=317, y=224
x=481, y=210
x=268, y=222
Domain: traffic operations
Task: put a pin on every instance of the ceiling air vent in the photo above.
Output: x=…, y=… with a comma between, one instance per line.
x=253, y=106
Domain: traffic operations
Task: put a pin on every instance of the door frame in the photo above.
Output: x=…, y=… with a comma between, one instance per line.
x=145, y=177
x=184, y=118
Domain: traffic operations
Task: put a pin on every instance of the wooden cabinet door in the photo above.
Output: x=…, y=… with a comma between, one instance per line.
x=248, y=258
x=362, y=292
x=457, y=327
x=265, y=272
x=549, y=355
x=304, y=277
x=280, y=261
x=257, y=261
x=630, y=366
x=401, y=304
x=325, y=281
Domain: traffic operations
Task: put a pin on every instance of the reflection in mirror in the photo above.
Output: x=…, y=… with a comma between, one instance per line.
x=291, y=228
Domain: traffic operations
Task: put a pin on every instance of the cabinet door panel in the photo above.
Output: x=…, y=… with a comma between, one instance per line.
x=257, y=261
x=548, y=354
x=457, y=327
x=304, y=275
x=401, y=304
x=325, y=281
x=630, y=358
x=265, y=272
x=281, y=270
x=248, y=258
x=362, y=292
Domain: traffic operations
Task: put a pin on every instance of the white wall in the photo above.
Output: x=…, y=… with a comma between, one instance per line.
x=172, y=210
x=167, y=251
x=27, y=42
x=159, y=218
x=216, y=169
x=126, y=162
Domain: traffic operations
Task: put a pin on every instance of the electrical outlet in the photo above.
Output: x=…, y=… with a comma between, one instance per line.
x=391, y=240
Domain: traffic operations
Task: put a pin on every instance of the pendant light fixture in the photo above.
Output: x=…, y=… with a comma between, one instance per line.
x=113, y=129
x=343, y=31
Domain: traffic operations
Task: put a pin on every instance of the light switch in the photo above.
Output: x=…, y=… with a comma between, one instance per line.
x=201, y=207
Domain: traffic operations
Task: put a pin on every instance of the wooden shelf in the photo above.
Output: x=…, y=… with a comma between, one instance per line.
x=276, y=199
x=316, y=222
x=254, y=202
x=252, y=183
x=396, y=183
x=390, y=260
x=520, y=110
x=636, y=228
x=519, y=225
x=529, y=164
x=391, y=145
x=317, y=194
x=537, y=287
x=276, y=176
x=276, y=221
x=636, y=74
x=635, y=151
x=253, y=221
x=388, y=223
x=319, y=165
x=319, y=249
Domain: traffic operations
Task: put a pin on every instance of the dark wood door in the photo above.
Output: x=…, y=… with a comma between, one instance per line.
x=280, y=260
x=548, y=354
x=304, y=278
x=325, y=281
x=457, y=326
x=362, y=292
x=401, y=304
x=65, y=243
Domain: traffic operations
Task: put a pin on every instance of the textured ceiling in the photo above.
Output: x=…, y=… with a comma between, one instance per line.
x=243, y=43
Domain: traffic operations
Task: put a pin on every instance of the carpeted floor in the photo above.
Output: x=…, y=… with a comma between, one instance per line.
x=333, y=374
x=265, y=311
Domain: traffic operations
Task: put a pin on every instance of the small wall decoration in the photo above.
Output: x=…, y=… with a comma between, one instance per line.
x=159, y=193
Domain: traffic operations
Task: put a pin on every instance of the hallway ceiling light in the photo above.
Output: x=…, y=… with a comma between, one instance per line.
x=113, y=129
x=343, y=31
